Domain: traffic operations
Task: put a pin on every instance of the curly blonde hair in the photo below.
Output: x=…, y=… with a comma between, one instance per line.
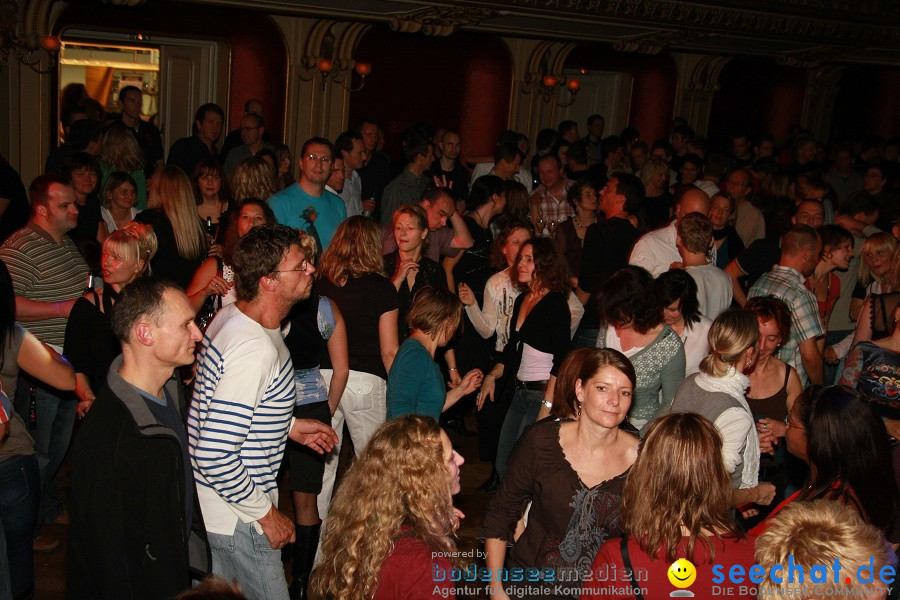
x=252, y=178
x=400, y=479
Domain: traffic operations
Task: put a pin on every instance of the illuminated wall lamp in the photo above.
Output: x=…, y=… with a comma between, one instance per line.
x=339, y=71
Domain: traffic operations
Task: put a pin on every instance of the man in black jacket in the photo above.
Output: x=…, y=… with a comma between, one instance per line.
x=136, y=528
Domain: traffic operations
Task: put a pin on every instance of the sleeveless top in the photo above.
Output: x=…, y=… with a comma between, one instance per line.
x=312, y=322
x=881, y=313
x=775, y=406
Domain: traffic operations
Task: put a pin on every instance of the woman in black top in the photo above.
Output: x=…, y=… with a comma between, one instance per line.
x=173, y=215
x=487, y=199
x=569, y=237
x=539, y=340
x=351, y=275
x=407, y=267
x=89, y=343
x=314, y=327
x=82, y=171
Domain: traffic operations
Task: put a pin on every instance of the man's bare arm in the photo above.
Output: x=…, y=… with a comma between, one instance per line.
x=812, y=361
x=34, y=310
x=462, y=239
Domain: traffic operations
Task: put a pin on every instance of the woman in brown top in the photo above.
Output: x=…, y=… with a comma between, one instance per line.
x=572, y=472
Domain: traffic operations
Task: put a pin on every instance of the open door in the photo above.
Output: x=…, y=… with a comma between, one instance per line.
x=606, y=93
x=188, y=77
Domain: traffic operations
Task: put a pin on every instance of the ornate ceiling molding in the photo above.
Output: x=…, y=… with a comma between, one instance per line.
x=813, y=57
x=655, y=42
x=833, y=28
x=440, y=21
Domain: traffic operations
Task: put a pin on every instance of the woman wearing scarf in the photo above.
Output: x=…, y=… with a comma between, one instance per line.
x=717, y=393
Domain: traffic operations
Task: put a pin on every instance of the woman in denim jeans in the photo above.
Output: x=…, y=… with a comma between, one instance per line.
x=20, y=490
x=539, y=340
x=315, y=327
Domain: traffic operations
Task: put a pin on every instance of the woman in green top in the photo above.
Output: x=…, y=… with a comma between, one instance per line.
x=415, y=384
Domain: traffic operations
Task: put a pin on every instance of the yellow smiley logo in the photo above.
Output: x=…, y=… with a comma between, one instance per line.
x=682, y=573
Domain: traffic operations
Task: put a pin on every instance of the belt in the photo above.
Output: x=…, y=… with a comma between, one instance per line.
x=535, y=386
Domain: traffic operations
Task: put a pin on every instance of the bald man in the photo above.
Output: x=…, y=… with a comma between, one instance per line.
x=656, y=250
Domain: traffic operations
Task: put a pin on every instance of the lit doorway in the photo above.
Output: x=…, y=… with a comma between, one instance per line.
x=176, y=75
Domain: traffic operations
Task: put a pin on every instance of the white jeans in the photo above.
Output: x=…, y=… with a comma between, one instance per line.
x=363, y=408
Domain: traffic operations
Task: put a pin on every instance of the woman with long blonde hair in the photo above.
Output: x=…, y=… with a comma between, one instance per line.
x=173, y=215
x=676, y=504
x=392, y=521
x=121, y=152
x=351, y=274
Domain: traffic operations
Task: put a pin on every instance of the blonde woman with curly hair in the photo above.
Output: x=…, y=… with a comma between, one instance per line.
x=121, y=152
x=252, y=178
x=173, y=216
x=676, y=504
x=393, y=521
x=351, y=274
x=717, y=392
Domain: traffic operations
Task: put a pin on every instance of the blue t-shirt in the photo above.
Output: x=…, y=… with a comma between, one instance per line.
x=415, y=385
x=295, y=208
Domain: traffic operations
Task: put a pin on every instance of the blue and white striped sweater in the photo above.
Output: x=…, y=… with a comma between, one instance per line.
x=239, y=418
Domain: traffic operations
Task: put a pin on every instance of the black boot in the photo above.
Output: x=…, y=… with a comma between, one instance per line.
x=304, y=556
x=490, y=484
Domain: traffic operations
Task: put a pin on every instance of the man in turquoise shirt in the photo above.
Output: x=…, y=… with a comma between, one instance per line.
x=307, y=205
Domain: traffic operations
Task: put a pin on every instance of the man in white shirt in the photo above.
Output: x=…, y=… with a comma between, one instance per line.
x=349, y=146
x=656, y=251
x=241, y=412
x=713, y=284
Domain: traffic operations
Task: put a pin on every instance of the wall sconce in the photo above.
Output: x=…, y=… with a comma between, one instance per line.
x=338, y=70
x=550, y=87
x=30, y=48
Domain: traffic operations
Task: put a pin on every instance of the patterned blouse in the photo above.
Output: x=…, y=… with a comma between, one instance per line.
x=567, y=522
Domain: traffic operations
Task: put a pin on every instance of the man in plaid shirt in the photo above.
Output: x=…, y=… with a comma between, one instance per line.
x=800, y=249
x=550, y=200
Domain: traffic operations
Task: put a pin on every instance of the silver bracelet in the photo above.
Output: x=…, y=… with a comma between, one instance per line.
x=547, y=403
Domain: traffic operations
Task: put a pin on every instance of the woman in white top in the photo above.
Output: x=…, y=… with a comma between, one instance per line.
x=677, y=293
x=214, y=277
x=499, y=293
x=118, y=197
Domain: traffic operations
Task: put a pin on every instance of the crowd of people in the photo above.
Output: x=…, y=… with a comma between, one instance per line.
x=670, y=351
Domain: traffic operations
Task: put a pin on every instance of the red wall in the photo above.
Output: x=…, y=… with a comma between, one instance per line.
x=868, y=102
x=258, y=54
x=461, y=82
x=757, y=96
x=653, y=92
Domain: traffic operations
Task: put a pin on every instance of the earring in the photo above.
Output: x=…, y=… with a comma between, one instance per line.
x=578, y=410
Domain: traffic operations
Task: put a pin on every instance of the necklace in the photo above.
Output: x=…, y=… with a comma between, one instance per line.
x=579, y=225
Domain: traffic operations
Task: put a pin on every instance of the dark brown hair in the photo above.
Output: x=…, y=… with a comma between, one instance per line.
x=550, y=269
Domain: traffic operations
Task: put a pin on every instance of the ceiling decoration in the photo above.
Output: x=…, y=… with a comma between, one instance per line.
x=440, y=21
